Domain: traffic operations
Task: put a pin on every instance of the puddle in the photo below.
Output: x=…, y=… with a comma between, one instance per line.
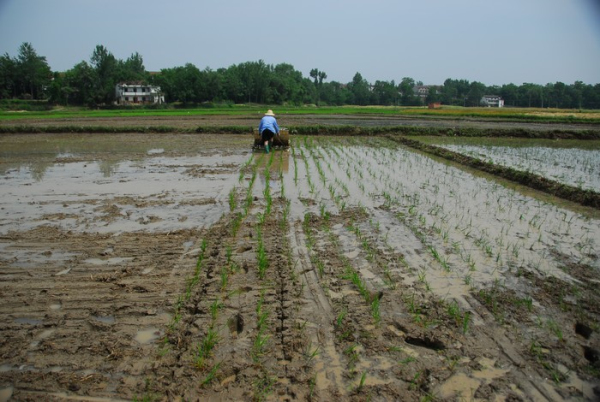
x=28, y=321
x=63, y=272
x=43, y=335
x=46, y=334
x=156, y=192
x=6, y=394
x=574, y=382
x=489, y=372
x=187, y=245
x=104, y=319
x=147, y=336
x=108, y=261
x=459, y=386
x=5, y=368
x=55, y=306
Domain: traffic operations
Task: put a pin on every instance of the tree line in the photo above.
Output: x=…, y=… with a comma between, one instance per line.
x=92, y=83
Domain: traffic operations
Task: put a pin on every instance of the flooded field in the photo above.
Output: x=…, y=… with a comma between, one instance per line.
x=187, y=267
x=571, y=162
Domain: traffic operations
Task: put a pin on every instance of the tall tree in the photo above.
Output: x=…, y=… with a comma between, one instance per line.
x=318, y=77
x=385, y=93
x=33, y=72
x=132, y=69
x=359, y=90
x=475, y=94
x=8, y=77
x=406, y=89
x=105, y=67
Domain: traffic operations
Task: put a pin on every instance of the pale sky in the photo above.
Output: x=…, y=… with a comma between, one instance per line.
x=493, y=42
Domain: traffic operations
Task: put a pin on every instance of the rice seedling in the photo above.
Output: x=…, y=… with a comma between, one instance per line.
x=311, y=354
x=375, y=310
x=224, y=278
x=205, y=347
x=232, y=199
x=340, y=318
x=214, y=309
x=210, y=376
x=352, y=356
x=361, y=383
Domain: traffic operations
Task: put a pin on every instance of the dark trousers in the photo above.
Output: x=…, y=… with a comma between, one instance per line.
x=267, y=135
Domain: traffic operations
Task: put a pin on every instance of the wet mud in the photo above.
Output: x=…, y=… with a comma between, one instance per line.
x=174, y=267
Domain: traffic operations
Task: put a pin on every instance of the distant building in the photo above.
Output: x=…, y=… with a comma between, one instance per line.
x=422, y=91
x=434, y=105
x=138, y=93
x=492, y=101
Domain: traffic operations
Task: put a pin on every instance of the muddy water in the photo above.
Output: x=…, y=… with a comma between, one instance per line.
x=82, y=187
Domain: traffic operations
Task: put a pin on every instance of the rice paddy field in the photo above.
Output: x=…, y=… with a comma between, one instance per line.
x=571, y=162
x=184, y=266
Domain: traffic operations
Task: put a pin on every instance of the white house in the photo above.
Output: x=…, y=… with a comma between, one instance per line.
x=138, y=93
x=492, y=101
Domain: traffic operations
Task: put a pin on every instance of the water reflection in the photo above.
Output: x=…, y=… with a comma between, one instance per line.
x=108, y=167
x=280, y=166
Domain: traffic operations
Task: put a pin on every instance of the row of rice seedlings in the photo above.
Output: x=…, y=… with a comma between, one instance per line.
x=190, y=284
x=211, y=338
x=240, y=216
x=309, y=228
x=207, y=344
x=261, y=339
x=571, y=166
x=311, y=185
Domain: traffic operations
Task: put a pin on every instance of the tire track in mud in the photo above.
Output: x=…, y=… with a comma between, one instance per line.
x=318, y=315
x=98, y=302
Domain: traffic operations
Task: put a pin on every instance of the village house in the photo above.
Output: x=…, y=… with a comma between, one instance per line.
x=138, y=93
x=492, y=101
x=422, y=91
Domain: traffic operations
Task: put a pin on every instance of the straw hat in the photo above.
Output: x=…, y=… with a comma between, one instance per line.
x=269, y=113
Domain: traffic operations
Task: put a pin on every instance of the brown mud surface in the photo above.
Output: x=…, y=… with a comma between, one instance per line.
x=289, y=120
x=186, y=267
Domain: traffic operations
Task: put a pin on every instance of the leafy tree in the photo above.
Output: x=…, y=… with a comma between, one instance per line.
x=132, y=69
x=510, y=94
x=32, y=72
x=359, y=90
x=433, y=95
x=318, y=77
x=532, y=95
x=385, y=93
x=406, y=88
x=8, y=78
x=476, y=92
x=286, y=84
x=105, y=68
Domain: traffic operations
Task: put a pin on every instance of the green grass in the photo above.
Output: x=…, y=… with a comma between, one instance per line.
x=525, y=114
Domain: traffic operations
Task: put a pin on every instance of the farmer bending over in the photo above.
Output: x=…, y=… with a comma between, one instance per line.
x=268, y=128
